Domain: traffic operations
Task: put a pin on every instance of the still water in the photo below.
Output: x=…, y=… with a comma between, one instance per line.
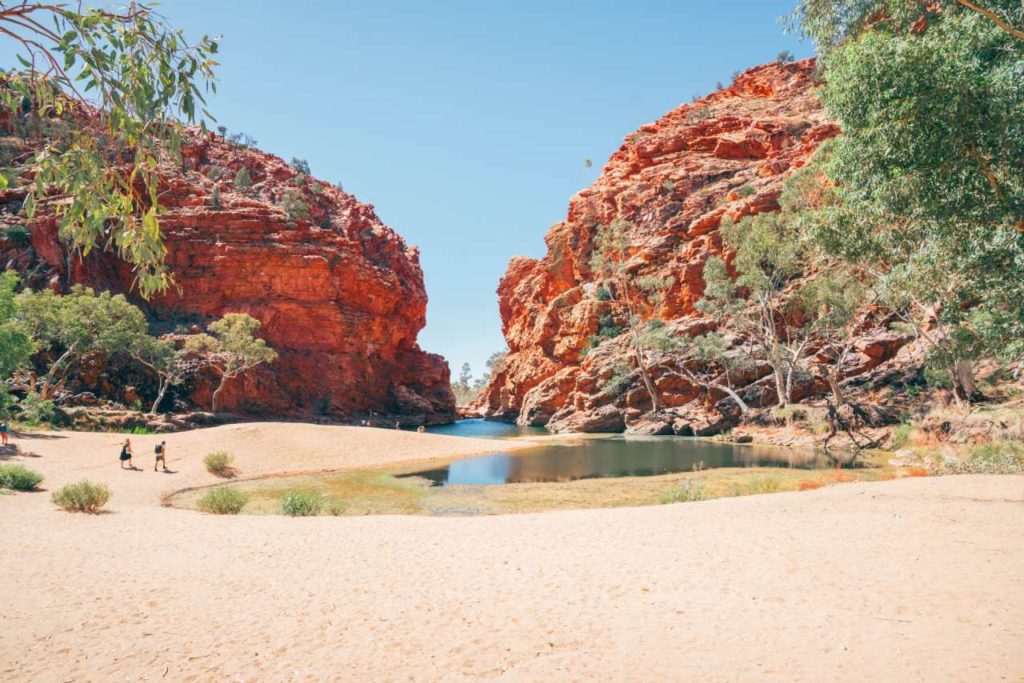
x=606, y=456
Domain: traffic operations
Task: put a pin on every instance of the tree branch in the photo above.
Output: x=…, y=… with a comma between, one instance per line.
x=994, y=18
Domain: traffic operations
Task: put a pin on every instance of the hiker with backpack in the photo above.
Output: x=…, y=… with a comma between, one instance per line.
x=161, y=456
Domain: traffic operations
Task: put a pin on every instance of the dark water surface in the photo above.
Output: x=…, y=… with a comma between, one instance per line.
x=606, y=456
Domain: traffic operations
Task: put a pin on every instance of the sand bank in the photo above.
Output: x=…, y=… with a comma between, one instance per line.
x=914, y=579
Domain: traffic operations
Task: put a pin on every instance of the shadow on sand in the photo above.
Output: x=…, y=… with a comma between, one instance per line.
x=37, y=435
x=12, y=451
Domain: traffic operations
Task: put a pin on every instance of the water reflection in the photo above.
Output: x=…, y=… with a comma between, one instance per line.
x=486, y=429
x=614, y=456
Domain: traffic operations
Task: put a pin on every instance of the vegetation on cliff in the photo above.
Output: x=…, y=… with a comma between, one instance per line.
x=46, y=337
x=740, y=253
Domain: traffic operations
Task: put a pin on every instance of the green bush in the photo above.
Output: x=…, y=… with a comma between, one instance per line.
x=18, y=235
x=220, y=463
x=36, y=411
x=19, y=478
x=302, y=503
x=999, y=457
x=901, y=435
x=215, y=202
x=294, y=205
x=243, y=180
x=223, y=500
x=689, y=491
x=85, y=496
x=336, y=508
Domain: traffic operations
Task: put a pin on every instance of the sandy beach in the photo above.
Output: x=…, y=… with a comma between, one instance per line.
x=907, y=580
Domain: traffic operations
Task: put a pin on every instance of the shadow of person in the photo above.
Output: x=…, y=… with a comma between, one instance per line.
x=169, y=471
x=11, y=450
x=37, y=435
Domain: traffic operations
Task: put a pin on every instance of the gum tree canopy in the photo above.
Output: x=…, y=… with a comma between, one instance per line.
x=129, y=79
x=929, y=172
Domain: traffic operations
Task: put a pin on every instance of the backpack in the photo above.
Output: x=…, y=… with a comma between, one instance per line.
x=159, y=449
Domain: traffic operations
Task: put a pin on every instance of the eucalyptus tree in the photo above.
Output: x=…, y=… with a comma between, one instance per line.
x=104, y=92
x=71, y=326
x=929, y=172
x=231, y=349
x=634, y=301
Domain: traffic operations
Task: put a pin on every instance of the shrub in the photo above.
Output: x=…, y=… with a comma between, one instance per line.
x=620, y=380
x=220, y=463
x=294, y=205
x=242, y=140
x=602, y=294
x=689, y=491
x=19, y=478
x=85, y=496
x=243, y=180
x=336, y=508
x=668, y=186
x=215, y=198
x=302, y=503
x=35, y=410
x=699, y=114
x=809, y=484
x=789, y=413
x=223, y=500
x=18, y=235
x=1000, y=457
x=746, y=191
x=785, y=57
x=300, y=165
x=901, y=435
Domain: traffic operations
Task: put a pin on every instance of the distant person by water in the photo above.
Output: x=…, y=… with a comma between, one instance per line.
x=126, y=454
x=5, y=427
x=421, y=429
x=398, y=425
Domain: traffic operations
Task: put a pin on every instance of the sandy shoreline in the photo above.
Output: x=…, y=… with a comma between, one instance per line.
x=914, y=579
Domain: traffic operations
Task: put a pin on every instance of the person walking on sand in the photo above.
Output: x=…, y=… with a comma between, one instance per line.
x=126, y=454
x=5, y=427
x=161, y=455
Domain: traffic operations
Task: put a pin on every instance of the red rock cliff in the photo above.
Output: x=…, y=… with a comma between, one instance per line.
x=340, y=294
x=674, y=180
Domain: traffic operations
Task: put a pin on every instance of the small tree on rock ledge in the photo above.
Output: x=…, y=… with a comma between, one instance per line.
x=231, y=350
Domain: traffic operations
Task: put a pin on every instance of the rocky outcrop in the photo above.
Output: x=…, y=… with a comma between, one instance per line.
x=340, y=295
x=674, y=181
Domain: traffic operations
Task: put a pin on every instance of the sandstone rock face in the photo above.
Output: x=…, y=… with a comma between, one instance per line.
x=340, y=295
x=674, y=180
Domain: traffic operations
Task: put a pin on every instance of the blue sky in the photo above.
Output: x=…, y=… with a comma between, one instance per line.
x=466, y=123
